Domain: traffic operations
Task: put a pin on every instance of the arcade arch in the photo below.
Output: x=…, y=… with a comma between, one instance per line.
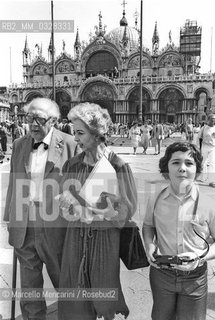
x=33, y=95
x=102, y=94
x=202, y=100
x=134, y=102
x=170, y=105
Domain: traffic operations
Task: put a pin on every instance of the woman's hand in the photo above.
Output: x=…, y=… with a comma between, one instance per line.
x=108, y=213
x=187, y=266
x=113, y=198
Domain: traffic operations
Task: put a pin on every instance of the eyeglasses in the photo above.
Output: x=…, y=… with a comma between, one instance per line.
x=39, y=120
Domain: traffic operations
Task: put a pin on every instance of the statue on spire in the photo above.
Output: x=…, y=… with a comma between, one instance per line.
x=170, y=37
x=64, y=44
x=38, y=49
x=136, y=16
x=100, y=31
x=100, y=20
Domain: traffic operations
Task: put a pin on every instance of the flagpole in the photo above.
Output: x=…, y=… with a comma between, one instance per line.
x=53, y=53
x=10, y=67
x=140, y=113
x=211, y=49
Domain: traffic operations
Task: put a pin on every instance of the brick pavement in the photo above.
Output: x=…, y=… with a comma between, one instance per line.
x=135, y=283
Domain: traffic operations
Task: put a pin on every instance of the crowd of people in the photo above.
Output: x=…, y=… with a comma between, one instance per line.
x=149, y=133
x=51, y=220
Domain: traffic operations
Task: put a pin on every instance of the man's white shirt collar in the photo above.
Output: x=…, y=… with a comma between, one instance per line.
x=48, y=137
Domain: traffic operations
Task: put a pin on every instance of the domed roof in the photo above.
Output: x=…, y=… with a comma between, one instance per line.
x=123, y=21
x=116, y=36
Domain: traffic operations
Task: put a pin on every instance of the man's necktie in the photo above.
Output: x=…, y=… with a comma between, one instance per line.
x=37, y=144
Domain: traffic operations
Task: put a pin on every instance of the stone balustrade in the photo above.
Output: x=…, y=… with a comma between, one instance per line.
x=117, y=81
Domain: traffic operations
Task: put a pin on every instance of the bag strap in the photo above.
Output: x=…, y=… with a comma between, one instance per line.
x=155, y=204
x=194, y=214
x=196, y=205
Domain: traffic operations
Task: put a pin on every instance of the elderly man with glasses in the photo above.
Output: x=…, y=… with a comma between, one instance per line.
x=36, y=228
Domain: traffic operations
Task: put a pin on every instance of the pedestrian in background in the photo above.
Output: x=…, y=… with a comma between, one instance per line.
x=65, y=127
x=25, y=127
x=18, y=130
x=189, y=130
x=134, y=134
x=196, y=130
x=122, y=130
x=183, y=131
x=145, y=136
x=207, y=134
x=157, y=135
x=3, y=137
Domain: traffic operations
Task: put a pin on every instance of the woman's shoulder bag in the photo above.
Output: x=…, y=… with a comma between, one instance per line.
x=132, y=251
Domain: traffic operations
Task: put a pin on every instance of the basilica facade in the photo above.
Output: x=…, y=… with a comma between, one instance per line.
x=4, y=104
x=106, y=70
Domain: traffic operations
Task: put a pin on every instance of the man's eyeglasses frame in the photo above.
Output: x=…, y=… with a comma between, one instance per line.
x=39, y=120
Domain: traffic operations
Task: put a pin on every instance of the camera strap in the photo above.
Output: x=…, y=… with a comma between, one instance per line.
x=194, y=214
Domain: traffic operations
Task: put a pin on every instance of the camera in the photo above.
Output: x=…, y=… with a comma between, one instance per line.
x=167, y=260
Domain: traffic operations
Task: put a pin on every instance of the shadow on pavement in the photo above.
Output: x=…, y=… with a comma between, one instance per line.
x=211, y=301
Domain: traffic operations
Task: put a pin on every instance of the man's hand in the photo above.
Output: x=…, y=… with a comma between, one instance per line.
x=66, y=199
x=150, y=255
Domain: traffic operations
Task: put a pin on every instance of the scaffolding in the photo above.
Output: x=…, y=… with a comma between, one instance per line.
x=190, y=38
x=190, y=45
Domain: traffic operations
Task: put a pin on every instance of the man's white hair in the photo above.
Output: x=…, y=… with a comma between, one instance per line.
x=46, y=105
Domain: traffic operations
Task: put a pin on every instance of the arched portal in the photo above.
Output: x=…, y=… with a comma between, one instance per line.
x=170, y=103
x=202, y=104
x=134, y=104
x=102, y=94
x=63, y=100
x=32, y=96
x=202, y=100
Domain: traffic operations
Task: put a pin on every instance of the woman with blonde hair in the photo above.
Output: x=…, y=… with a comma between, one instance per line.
x=91, y=251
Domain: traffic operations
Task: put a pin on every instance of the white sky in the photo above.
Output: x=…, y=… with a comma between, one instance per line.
x=169, y=14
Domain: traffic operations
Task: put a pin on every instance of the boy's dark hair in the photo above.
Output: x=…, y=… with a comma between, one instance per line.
x=194, y=152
